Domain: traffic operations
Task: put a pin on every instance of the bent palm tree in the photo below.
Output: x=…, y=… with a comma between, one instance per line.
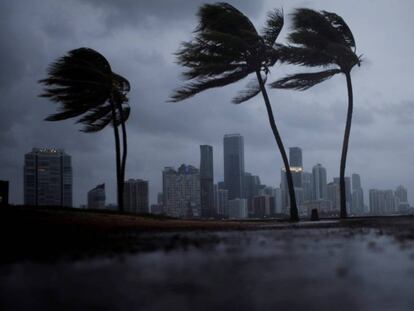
x=227, y=48
x=86, y=87
x=322, y=39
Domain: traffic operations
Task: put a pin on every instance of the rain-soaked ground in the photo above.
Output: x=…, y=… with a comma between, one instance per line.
x=285, y=269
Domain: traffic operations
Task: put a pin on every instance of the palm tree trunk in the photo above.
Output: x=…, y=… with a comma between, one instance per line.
x=119, y=182
x=294, y=216
x=124, y=147
x=345, y=146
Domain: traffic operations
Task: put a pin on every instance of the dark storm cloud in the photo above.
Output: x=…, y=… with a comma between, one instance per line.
x=139, y=39
x=161, y=12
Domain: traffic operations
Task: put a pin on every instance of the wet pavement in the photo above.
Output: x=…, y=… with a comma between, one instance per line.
x=291, y=269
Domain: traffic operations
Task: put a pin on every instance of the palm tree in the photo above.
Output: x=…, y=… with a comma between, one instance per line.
x=227, y=48
x=321, y=39
x=85, y=86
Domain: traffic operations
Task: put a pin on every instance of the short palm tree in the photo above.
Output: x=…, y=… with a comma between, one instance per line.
x=227, y=48
x=321, y=39
x=85, y=86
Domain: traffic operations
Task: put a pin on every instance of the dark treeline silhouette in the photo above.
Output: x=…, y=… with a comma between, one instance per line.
x=227, y=48
x=321, y=39
x=85, y=86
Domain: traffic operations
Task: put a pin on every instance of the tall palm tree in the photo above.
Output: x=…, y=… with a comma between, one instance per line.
x=321, y=39
x=85, y=86
x=227, y=48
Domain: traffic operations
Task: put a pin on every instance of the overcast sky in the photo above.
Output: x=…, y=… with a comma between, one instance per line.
x=139, y=38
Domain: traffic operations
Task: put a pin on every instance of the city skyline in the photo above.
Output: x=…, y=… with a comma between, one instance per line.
x=161, y=133
x=206, y=156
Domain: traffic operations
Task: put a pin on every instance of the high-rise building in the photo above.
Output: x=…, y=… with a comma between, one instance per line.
x=234, y=165
x=206, y=181
x=402, y=194
x=263, y=206
x=381, y=202
x=296, y=166
x=319, y=182
x=356, y=181
x=307, y=185
x=181, y=191
x=136, y=196
x=160, y=198
x=333, y=195
x=96, y=197
x=401, y=198
x=223, y=203
x=251, y=185
x=278, y=201
x=47, y=178
x=238, y=209
x=4, y=193
x=357, y=206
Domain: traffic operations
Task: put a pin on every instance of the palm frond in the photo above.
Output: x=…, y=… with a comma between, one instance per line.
x=341, y=27
x=102, y=117
x=226, y=48
x=121, y=83
x=83, y=84
x=323, y=32
x=273, y=26
x=304, y=81
x=202, y=84
x=309, y=20
x=223, y=17
x=82, y=77
x=304, y=56
x=251, y=90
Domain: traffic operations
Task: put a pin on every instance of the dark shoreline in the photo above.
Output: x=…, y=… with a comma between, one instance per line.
x=48, y=234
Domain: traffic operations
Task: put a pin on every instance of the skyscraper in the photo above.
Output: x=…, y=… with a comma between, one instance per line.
x=402, y=194
x=222, y=202
x=356, y=181
x=206, y=181
x=251, y=185
x=357, y=206
x=319, y=182
x=181, y=191
x=307, y=185
x=238, y=209
x=334, y=196
x=96, y=197
x=136, y=196
x=296, y=166
x=278, y=201
x=262, y=206
x=47, y=178
x=234, y=165
x=381, y=202
x=401, y=199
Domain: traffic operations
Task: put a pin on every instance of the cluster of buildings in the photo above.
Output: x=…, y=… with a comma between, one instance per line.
x=190, y=192
x=48, y=181
x=313, y=191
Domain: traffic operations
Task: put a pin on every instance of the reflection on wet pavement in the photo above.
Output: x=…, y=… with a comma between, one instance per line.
x=307, y=269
